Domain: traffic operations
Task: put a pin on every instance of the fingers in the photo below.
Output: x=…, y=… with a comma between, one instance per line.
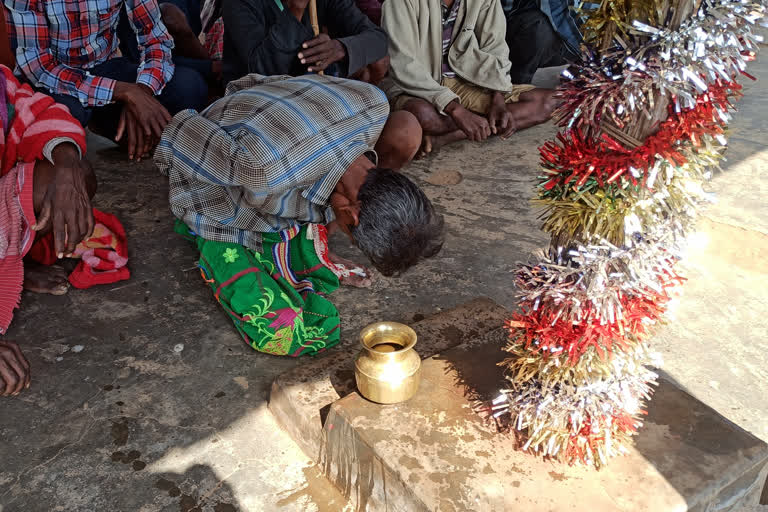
x=26, y=367
x=44, y=217
x=139, y=133
x=166, y=116
x=316, y=53
x=85, y=222
x=131, y=129
x=59, y=233
x=8, y=377
x=322, y=38
x=90, y=223
x=510, y=128
x=74, y=233
x=120, y=126
x=14, y=370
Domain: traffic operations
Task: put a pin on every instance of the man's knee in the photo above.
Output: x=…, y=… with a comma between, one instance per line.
x=174, y=20
x=426, y=115
x=400, y=139
x=187, y=89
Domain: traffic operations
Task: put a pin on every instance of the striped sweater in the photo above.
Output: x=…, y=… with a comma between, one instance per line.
x=32, y=124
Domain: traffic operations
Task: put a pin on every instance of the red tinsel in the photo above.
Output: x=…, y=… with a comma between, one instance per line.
x=544, y=330
x=583, y=445
x=575, y=158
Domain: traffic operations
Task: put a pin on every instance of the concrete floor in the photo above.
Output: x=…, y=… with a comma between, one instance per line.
x=144, y=398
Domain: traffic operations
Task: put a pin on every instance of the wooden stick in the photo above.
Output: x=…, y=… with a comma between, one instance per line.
x=313, y=21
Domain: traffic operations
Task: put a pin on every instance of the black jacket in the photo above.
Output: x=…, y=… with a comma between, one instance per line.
x=261, y=38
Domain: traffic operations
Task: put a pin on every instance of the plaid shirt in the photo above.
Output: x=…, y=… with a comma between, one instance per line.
x=60, y=40
x=268, y=155
x=449, y=20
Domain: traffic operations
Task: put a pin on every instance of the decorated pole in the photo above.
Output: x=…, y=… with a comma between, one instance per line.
x=642, y=119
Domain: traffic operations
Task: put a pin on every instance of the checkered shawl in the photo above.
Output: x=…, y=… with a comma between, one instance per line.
x=268, y=155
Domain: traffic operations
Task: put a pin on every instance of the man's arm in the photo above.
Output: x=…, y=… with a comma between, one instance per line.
x=38, y=63
x=156, y=68
x=365, y=43
x=265, y=49
x=490, y=31
x=400, y=20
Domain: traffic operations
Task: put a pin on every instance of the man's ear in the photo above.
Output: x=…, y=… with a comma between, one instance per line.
x=352, y=210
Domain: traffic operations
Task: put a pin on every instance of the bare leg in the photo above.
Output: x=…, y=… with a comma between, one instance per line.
x=438, y=130
x=41, y=278
x=535, y=107
x=399, y=141
x=373, y=73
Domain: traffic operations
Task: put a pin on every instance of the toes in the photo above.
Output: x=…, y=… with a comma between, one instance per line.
x=58, y=273
x=59, y=289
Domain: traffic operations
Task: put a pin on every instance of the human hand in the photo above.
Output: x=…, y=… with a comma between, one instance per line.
x=475, y=126
x=138, y=142
x=500, y=119
x=143, y=113
x=14, y=369
x=66, y=205
x=320, y=52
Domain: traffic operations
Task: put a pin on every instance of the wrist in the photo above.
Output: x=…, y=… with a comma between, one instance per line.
x=65, y=154
x=454, y=108
x=499, y=99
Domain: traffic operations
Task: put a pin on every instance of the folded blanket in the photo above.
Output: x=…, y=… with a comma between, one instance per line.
x=275, y=297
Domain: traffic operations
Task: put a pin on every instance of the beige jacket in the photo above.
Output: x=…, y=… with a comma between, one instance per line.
x=478, y=54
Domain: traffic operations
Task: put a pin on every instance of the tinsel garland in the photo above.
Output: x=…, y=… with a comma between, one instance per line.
x=599, y=188
x=618, y=210
x=617, y=84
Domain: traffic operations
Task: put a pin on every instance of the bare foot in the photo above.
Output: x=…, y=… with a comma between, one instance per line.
x=45, y=279
x=426, y=147
x=431, y=143
x=14, y=369
x=358, y=276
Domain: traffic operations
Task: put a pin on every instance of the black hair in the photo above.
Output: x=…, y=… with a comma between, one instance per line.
x=398, y=225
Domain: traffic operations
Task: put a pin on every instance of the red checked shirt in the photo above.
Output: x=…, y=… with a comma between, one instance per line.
x=60, y=40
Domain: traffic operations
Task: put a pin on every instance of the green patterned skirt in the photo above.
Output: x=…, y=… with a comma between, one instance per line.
x=275, y=298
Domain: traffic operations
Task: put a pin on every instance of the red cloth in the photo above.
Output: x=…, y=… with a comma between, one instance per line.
x=35, y=119
x=103, y=256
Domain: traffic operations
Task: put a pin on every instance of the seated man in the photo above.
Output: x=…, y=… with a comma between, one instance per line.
x=540, y=33
x=255, y=180
x=272, y=38
x=44, y=185
x=451, y=70
x=183, y=20
x=71, y=51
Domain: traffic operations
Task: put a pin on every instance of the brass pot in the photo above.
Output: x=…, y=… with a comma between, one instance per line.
x=388, y=369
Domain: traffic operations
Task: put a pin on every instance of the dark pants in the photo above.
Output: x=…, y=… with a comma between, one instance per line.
x=187, y=89
x=533, y=43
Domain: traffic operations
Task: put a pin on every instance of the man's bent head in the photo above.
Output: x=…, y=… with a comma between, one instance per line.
x=397, y=224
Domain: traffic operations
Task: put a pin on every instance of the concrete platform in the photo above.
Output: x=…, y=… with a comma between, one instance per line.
x=301, y=398
x=434, y=453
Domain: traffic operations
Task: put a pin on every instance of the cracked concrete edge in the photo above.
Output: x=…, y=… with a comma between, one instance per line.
x=301, y=397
